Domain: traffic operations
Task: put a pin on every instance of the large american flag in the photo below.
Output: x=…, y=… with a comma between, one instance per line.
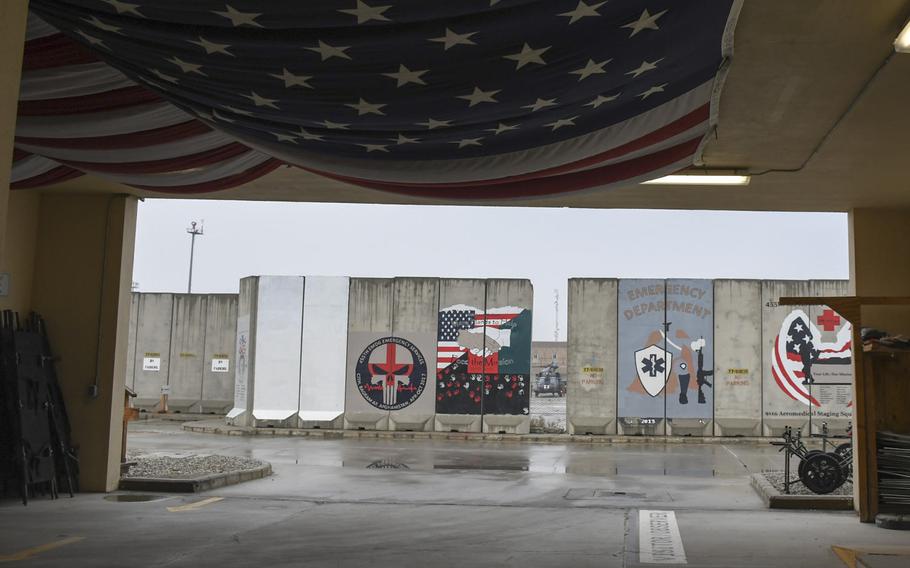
x=468, y=99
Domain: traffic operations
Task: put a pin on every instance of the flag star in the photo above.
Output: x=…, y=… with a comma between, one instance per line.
x=306, y=135
x=582, y=10
x=261, y=101
x=431, y=123
x=402, y=139
x=562, y=122
x=451, y=39
x=478, y=96
x=540, y=103
x=291, y=80
x=644, y=67
x=101, y=25
x=375, y=147
x=502, y=128
x=211, y=47
x=644, y=22
x=187, y=67
x=285, y=137
x=467, y=142
x=405, y=76
x=236, y=110
x=92, y=40
x=652, y=90
x=363, y=107
x=528, y=55
x=601, y=100
x=164, y=77
x=334, y=125
x=238, y=18
x=366, y=13
x=125, y=7
x=327, y=51
x=590, y=68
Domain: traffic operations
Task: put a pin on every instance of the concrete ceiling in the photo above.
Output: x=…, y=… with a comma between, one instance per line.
x=816, y=106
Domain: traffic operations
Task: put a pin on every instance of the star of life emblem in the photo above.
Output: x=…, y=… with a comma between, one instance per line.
x=653, y=364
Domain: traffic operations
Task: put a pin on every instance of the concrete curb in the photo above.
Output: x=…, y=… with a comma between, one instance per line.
x=218, y=427
x=774, y=499
x=195, y=484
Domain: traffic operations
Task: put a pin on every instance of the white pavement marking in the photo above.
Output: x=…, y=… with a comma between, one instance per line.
x=659, y=541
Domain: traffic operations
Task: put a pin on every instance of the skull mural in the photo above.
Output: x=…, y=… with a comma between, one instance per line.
x=391, y=373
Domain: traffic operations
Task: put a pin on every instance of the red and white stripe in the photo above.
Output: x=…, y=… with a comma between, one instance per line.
x=78, y=114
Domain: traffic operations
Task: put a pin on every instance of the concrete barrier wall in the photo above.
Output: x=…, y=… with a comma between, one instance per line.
x=784, y=398
x=153, y=346
x=642, y=363
x=456, y=349
x=275, y=375
x=324, y=351
x=591, y=395
x=184, y=333
x=690, y=337
x=366, y=403
x=131, y=342
x=415, y=309
x=186, y=366
x=218, y=364
x=833, y=372
x=507, y=356
x=240, y=414
x=737, y=358
x=459, y=379
x=751, y=351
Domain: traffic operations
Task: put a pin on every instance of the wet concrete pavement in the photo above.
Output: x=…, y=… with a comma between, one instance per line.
x=355, y=502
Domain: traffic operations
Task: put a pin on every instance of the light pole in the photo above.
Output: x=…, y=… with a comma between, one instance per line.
x=193, y=231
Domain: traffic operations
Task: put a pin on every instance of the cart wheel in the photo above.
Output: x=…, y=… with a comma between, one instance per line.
x=802, y=462
x=843, y=450
x=822, y=474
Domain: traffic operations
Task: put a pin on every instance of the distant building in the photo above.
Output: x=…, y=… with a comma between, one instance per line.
x=542, y=353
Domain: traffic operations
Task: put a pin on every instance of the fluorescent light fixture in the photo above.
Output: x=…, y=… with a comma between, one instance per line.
x=700, y=180
x=902, y=43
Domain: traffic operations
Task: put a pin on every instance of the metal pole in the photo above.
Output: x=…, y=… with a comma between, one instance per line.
x=193, y=231
x=189, y=283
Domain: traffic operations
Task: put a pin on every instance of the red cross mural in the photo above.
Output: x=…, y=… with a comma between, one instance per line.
x=391, y=369
x=829, y=320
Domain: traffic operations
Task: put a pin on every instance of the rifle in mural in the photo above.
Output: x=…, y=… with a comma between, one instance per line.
x=701, y=375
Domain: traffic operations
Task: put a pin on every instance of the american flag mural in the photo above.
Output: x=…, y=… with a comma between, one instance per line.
x=468, y=346
x=470, y=99
x=800, y=346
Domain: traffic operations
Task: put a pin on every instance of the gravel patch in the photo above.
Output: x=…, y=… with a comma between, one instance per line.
x=188, y=467
x=776, y=478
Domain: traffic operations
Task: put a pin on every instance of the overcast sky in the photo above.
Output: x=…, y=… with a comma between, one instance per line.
x=546, y=245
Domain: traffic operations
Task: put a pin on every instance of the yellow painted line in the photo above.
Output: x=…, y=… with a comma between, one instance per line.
x=196, y=505
x=850, y=555
x=29, y=552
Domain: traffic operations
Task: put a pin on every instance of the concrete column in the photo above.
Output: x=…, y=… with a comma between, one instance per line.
x=83, y=270
x=13, y=14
